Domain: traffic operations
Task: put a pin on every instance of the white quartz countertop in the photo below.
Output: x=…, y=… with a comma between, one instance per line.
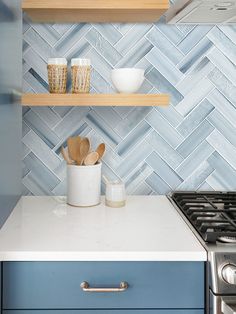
x=148, y=228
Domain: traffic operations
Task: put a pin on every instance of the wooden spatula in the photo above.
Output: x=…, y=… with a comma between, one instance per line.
x=84, y=148
x=91, y=159
x=101, y=150
x=73, y=147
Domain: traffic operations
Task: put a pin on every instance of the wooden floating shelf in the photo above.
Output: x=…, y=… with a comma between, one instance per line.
x=95, y=100
x=103, y=11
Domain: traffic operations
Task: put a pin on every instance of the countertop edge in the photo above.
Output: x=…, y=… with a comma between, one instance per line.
x=103, y=256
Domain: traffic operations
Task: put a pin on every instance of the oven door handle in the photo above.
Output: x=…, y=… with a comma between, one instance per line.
x=227, y=306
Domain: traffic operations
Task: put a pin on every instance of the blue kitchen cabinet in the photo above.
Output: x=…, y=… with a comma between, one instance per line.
x=56, y=285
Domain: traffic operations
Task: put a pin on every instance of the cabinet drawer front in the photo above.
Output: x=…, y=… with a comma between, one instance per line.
x=56, y=285
x=104, y=312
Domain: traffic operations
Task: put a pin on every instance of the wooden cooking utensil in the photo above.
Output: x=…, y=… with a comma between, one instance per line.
x=66, y=156
x=84, y=148
x=101, y=150
x=73, y=144
x=91, y=159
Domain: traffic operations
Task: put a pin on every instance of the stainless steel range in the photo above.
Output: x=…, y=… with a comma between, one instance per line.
x=212, y=217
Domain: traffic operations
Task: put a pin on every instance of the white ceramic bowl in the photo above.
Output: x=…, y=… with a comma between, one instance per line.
x=127, y=80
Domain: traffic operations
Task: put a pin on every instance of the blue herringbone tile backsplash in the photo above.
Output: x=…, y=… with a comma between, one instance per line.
x=190, y=145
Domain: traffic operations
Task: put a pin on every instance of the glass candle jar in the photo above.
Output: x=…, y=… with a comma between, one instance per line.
x=115, y=194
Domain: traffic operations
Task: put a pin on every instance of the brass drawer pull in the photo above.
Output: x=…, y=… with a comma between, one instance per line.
x=86, y=288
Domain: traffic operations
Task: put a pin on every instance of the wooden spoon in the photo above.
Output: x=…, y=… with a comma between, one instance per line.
x=84, y=148
x=66, y=156
x=73, y=146
x=101, y=150
x=91, y=159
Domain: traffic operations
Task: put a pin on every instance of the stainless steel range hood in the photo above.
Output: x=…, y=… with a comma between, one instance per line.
x=202, y=12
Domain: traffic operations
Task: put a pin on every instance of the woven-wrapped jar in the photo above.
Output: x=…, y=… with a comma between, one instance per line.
x=57, y=75
x=80, y=75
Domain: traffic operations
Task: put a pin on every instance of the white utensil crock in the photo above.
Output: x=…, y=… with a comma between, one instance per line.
x=84, y=185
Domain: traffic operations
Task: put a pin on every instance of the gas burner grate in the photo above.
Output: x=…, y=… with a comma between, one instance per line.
x=212, y=214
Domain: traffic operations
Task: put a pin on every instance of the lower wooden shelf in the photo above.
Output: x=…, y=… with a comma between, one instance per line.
x=95, y=100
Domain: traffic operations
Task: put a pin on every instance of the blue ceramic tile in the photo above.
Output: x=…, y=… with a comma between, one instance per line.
x=163, y=170
x=223, y=43
x=41, y=128
x=103, y=46
x=45, y=178
x=195, y=56
x=164, y=66
x=137, y=178
x=223, y=147
x=37, y=43
x=48, y=115
x=47, y=32
x=109, y=115
x=162, y=126
x=71, y=37
x=195, y=96
x=157, y=184
x=198, y=156
x=223, y=105
x=72, y=121
x=133, y=118
x=135, y=158
x=164, y=86
x=193, y=38
x=107, y=133
x=229, y=31
x=170, y=114
x=223, y=126
x=135, y=55
x=195, y=117
x=223, y=85
x=223, y=64
x=132, y=37
x=167, y=153
x=142, y=189
x=172, y=32
x=133, y=138
x=164, y=45
x=189, y=145
x=79, y=50
x=109, y=31
x=195, y=75
x=206, y=187
x=194, y=139
x=31, y=184
x=196, y=179
x=223, y=171
x=41, y=150
x=100, y=65
x=37, y=63
x=61, y=28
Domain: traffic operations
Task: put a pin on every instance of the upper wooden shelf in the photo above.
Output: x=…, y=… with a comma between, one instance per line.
x=95, y=100
x=103, y=11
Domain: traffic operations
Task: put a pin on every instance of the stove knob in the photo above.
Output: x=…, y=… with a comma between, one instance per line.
x=229, y=274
